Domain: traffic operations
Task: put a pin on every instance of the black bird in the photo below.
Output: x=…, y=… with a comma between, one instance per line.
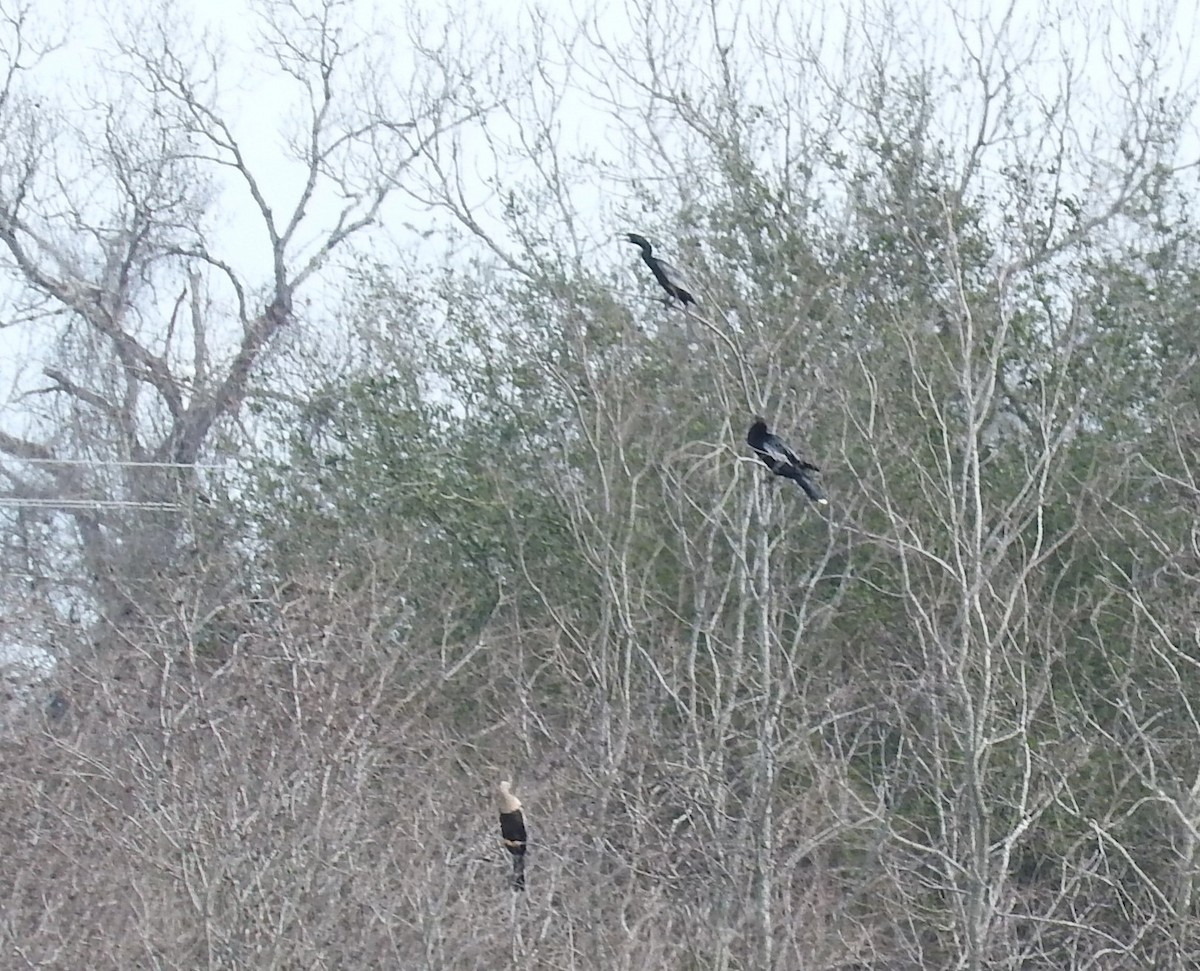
x=782, y=460
x=512, y=832
x=668, y=277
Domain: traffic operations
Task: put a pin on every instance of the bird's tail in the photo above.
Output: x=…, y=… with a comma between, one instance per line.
x=810, y=488
x=518, y=877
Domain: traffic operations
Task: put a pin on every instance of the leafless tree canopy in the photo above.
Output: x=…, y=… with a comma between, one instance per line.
x=114, y=254
x=512, y=530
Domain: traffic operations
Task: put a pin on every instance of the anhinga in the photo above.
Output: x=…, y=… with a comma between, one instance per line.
x=782, y=460
x=512, y=832
x=669, y=278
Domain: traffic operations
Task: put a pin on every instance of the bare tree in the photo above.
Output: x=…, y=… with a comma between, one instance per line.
x=110, y=223
x=946, y=721
x=972, y=363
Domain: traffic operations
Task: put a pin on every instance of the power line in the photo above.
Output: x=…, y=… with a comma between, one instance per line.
x=124, y=464
x=86, y=503
x=75, y=503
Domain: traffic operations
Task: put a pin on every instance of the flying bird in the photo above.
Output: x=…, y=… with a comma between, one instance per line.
x=781, y=460
x=512, y=832
x=669, y=278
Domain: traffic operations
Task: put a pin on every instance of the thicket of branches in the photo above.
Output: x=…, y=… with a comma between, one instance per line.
x=947, y=721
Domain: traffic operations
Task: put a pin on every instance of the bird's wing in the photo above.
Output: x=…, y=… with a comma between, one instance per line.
x=774, y=446
x=674, y=275
x=767, y=459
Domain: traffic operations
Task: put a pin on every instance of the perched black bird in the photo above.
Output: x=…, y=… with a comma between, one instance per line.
x=512, y=832
x=669, y=278
x=782, y=460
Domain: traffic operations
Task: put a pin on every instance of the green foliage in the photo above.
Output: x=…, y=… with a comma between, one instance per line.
x=561, y=470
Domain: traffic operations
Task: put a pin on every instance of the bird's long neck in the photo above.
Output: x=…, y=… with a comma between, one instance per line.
x=509, y=803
